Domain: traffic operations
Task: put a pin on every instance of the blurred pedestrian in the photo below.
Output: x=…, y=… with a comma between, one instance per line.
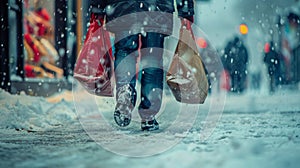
x=130, y=34
x=272, y=61
x=290, y=41
x=236, y=61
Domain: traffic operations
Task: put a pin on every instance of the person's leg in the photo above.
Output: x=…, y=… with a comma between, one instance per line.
x=272, y=83
x=125, y=72
x=152, y=78
x=233, y=81
x=277, y=77
x=242, y=81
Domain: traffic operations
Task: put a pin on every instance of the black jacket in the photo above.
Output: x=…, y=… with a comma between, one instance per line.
x=237, y=57
x=185, y=7
x=125, y=14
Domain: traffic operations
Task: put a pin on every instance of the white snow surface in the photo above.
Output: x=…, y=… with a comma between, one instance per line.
x=23, y=112
x=256, y=130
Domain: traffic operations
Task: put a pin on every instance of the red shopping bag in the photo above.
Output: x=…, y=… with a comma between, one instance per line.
x=94, y=66
x=225, y=80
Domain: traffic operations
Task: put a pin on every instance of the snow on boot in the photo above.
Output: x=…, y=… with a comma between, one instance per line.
x=149, y=125
x=126, y=98
x=121, y=119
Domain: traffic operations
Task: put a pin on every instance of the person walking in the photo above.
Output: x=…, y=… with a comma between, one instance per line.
x=236, y=62
x=272, y=60
x=140, y=24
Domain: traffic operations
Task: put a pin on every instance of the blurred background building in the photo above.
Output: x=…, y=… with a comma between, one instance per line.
x=267, y=21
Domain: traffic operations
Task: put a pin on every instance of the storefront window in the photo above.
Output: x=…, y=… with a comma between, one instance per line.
x=41, y=45
x=40, y=41
x=41, y=57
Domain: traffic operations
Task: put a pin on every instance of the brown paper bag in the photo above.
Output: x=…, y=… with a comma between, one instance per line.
x=186, y=76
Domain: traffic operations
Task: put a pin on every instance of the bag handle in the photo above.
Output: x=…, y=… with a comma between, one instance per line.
x=187, y=25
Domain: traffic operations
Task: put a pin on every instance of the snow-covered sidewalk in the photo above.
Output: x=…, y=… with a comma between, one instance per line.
x=255, y=130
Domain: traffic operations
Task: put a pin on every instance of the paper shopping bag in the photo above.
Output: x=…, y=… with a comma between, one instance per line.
x=186, y=76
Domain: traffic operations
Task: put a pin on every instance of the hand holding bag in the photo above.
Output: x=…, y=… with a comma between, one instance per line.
x=186, y=76
x=94, y=66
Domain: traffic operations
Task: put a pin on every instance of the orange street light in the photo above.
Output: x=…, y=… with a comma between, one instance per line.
x=243, y=29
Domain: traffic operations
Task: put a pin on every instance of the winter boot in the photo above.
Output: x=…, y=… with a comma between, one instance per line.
x=126, y=98
x=149, y=125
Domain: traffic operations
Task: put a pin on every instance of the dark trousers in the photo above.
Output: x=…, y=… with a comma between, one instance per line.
x=238, y=81
x=274, y=75
x=150, y=70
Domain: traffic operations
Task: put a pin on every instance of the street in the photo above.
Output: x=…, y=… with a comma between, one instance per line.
x=250, y=133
